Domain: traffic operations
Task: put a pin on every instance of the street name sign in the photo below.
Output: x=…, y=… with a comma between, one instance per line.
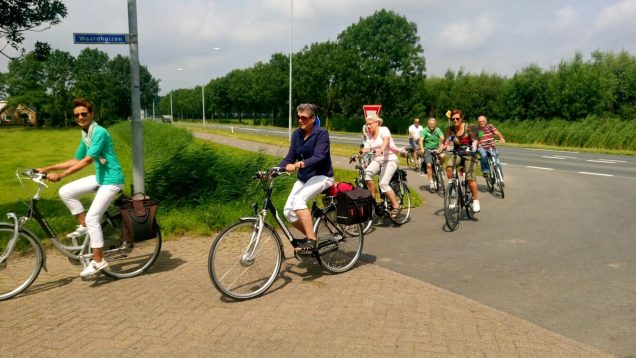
x=88, y=38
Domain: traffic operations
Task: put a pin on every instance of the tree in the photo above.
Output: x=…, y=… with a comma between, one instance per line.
x=380, y=61
x=17, y=16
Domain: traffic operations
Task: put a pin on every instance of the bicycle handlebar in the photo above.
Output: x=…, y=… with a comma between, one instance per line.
x=269, y=173
x=34, y=175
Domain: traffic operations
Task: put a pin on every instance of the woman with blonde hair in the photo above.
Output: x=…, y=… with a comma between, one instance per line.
x=385, y=162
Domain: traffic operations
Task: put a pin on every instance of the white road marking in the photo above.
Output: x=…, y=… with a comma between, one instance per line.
x=606, y=161
x=542, y=168
x=599, y=174
x=551, y=150
x=560, y=157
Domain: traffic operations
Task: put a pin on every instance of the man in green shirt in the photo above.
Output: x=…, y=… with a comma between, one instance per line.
x=431, y=138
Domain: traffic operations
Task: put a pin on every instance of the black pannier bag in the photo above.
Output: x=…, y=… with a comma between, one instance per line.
x=138, y=218
x=354, y=206
x=394, y=183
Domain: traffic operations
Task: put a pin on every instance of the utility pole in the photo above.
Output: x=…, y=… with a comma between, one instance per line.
x=137, y=130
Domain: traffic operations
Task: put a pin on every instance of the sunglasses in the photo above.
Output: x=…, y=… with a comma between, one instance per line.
x=456, y=119
x=81, y=114
x=303, y=118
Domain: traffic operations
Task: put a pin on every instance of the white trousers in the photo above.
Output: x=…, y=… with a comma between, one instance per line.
x=105, y=195
x=301, y=193
x=386, y=170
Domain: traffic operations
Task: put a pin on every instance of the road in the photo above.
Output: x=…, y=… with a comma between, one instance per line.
x=558, y=251
x=539, y=159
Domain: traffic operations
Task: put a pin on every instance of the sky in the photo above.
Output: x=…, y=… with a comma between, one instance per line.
x=185, y=43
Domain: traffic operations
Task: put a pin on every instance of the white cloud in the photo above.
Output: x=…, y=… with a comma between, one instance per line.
x=565, y=18
x=467, y=34
x=620, y=15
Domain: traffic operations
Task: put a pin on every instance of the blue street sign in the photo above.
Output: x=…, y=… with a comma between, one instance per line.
x=100, y=38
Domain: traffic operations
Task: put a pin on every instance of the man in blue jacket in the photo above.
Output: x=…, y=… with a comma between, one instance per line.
x=309, y=154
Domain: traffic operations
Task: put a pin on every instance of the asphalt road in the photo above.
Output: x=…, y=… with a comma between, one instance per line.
x=558, y=251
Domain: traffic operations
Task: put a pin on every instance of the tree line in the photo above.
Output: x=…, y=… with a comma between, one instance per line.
x=379, y=59
x=47, y=80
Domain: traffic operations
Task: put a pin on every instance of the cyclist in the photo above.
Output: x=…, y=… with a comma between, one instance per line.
x=460, y=134
x=309, y=154
x=385, y=162
x=431, y=141
x=414, y=139
x=96, y=146
x=486, y=133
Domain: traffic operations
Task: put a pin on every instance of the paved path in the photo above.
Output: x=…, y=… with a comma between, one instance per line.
x=174, y=310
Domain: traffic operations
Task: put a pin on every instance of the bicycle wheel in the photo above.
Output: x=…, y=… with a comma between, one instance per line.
x=338, y=250
x=22, y=267
x=127, y=259
x=410, y=162
x=490, y=176
x=352, y=229
x=499, y=180
x=451, y=205
x=468, y=200
x=404, y=199
x=438, y=176
x=237, y=268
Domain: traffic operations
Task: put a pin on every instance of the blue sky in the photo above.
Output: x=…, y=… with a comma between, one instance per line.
x=494, y=36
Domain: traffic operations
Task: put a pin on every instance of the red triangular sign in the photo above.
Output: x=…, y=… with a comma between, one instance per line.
x=370, y=109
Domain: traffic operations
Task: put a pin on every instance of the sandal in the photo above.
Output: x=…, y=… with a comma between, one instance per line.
x=297, y=242
x=396, y=211
x=306, y=248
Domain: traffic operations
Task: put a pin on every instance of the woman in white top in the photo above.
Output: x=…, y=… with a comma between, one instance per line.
x=385, y=162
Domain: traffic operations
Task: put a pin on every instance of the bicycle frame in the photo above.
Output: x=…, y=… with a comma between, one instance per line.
x=268, y=206
x=33, y=212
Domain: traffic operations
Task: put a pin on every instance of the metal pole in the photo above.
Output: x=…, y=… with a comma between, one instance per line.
x=291, y=31
x=203, y=103
x=171, y=115
x=137, y=129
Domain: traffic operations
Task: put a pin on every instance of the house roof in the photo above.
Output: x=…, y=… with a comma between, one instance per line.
x=2, y=105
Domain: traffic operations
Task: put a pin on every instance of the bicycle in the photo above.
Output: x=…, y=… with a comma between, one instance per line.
x=397, y=183
x=246, y=257
x=22, y=256
x=458, y=194
x=411, y=162
x=495, y=172
x=437, y=172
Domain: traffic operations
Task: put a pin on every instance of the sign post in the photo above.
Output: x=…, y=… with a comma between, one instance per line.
x=137, y=130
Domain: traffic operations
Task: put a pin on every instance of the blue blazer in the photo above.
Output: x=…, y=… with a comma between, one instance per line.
x=314, y=152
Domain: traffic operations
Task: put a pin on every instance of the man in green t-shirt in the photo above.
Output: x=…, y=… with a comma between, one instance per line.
x=431, y=138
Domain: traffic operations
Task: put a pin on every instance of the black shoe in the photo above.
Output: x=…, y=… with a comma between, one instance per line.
x=306, y=248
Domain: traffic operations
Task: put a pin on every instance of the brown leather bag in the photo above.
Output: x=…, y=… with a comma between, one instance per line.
x=138, y=218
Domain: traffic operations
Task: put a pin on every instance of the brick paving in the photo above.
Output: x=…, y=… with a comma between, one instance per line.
x=173, y=310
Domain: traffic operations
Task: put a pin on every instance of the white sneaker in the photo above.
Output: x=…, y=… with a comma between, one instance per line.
x=93, y=268
x=475, y=205
x=81, y=230
x=433, y=186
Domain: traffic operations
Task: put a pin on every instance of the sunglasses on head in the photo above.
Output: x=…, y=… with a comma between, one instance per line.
x=81, y=114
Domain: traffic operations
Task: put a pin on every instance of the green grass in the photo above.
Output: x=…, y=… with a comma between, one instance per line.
x=202, y=187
